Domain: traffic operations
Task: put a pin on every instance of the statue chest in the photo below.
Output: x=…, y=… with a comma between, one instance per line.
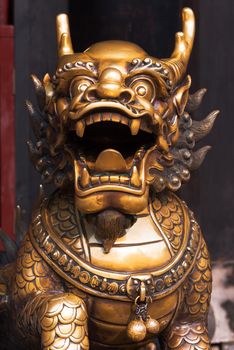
x=158, y=250
x=143, y=248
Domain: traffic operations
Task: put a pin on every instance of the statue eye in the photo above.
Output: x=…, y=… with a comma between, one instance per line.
x=144, y=88
x=79, y=85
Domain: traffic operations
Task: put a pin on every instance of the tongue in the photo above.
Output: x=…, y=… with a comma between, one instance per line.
x=110, y=160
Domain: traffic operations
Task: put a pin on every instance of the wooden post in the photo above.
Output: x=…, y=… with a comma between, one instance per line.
x=7, y=131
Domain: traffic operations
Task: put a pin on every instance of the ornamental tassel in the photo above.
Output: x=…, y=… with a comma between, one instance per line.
x=142, y=323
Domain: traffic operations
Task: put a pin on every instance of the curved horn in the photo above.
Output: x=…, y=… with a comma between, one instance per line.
x=183, y=45
x=63, y=35
x=195, y=100
x=202, y=128
x=198, y=157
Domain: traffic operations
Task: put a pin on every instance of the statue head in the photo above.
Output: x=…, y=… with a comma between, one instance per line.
x=114, y=123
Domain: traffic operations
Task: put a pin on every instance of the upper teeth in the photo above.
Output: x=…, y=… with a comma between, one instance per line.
x=134, y=123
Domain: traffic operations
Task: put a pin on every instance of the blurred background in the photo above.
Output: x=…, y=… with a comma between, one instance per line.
x=28, y=45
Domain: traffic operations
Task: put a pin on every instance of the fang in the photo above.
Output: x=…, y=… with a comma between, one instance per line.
x=85, y=178
x=135, y=178
x=80, y=128
x=135, y=126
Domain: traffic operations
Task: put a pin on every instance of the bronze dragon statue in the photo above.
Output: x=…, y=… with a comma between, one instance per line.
x=113, y=259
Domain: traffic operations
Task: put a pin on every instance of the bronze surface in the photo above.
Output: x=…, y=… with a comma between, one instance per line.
x=113, y=259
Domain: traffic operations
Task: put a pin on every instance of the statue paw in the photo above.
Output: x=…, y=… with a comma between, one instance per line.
x=149, y=346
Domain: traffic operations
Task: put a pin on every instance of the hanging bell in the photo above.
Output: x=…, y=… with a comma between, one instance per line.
x=136, y=330
x=152, y=325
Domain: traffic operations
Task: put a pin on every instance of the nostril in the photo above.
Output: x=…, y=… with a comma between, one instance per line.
x=90, y=95
x=126, y=96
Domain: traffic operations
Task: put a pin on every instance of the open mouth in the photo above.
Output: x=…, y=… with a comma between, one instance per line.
x=109, y=149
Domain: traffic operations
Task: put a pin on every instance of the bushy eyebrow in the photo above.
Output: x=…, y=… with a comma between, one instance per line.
x=77, y=67
x=154, y=69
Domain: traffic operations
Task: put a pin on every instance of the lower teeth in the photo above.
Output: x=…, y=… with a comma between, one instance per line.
x=85, y=181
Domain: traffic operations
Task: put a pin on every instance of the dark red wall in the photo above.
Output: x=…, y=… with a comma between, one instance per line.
x=7, y=126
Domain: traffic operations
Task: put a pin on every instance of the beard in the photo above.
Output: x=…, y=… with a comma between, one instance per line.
x=110, y=225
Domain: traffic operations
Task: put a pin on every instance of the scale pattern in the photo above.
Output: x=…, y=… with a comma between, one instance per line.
x=169, y=214
x=32, y=273
x=63, y=323
x=198, y=287
x=62, y=217
x=190, y=330
x=189, y=337
x=61, y=318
